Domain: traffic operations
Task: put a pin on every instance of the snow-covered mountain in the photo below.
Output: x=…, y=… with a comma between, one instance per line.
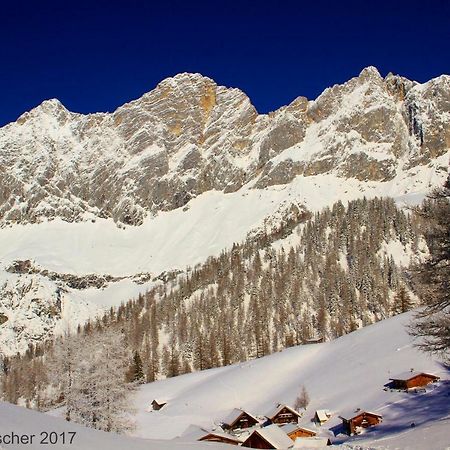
x=189, y=136
x=93, y=209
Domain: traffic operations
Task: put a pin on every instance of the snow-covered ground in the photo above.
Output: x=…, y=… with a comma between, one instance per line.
x=25, y=423
x=341, y=375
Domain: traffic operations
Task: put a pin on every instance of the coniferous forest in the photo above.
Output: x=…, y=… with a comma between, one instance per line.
x=314, y=278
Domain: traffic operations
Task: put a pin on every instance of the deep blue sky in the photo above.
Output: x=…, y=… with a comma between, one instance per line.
x=96, y=55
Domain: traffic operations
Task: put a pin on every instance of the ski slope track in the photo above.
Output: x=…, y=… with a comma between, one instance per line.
x=182, y=173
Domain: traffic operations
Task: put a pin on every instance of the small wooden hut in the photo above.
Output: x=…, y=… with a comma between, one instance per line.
x=270, y=437
x=295, y=431
x=239, y=419
x=321, y=416
x=411, y=379
x=158, y=404
x=359, y=419
x=283, y=414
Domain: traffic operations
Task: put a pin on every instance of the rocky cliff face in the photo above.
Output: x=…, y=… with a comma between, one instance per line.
x=189, y=135
x=192, y=144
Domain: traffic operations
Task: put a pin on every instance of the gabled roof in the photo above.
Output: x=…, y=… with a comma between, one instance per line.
x=275, y=436
x=348, y=415
x=404, y=376
x=234, y=416
x=159, y=401
x=222, y=435
x=274, y=411
x=323, y=414
x=290, y=427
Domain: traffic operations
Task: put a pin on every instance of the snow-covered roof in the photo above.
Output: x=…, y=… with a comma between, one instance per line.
x=234, y=415
x=275, y=436
x=193, y=433
x=222, y=434
x=290, y=427
x=323, y=414
x=410, y=374
x=311, y=442
x=350, y=414
x=274, y=411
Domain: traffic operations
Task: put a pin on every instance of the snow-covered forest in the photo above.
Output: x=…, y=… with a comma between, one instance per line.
x=312, y=279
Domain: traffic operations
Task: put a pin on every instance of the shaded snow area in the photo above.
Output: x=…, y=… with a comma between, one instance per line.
x=25, y=423
x=341, y=376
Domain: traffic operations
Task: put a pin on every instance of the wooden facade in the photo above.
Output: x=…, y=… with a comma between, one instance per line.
x=239, y=419
x=413, y=380
x=272, y=437
x=284, y=414
x=300, y=432
x=361, y=419
x=255, y=440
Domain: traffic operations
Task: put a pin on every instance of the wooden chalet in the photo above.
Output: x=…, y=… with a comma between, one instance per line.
x=321, y=416
x=411, y=379
x=239, y=419
x=312, y=442
x=219, y=436
x=359, y=419
x=283, y=414
x=295, y=431
x=158, y=404
x=270, y=437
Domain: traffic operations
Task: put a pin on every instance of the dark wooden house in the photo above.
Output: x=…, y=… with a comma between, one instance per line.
x=270, y=437
x=359, y=419
x=408, y=380
x=283, y=414
x=157, y=404
x=239, y=419
x=295, y=431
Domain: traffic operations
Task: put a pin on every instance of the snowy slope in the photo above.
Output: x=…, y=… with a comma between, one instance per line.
x=22, y=421
x=341, y=375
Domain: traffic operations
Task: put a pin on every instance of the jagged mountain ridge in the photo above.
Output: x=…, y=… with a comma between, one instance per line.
x=191, y=141
x=189, y=136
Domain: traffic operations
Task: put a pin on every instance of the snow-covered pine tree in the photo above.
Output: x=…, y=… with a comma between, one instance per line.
x=431, y=279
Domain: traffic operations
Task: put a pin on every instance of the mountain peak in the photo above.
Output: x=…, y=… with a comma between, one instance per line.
x=370, y=72
x=187, y=78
